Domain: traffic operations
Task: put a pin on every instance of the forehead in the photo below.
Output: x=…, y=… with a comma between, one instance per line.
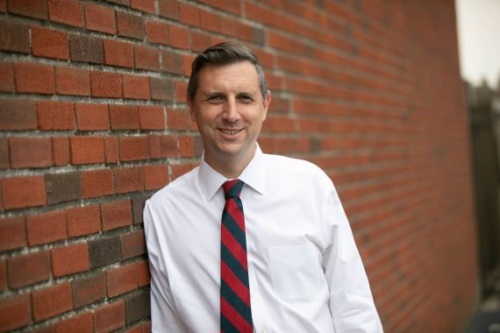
x=238, y=75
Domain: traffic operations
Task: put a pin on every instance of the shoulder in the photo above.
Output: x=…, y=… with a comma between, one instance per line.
x=293, y=167
x=176, y=188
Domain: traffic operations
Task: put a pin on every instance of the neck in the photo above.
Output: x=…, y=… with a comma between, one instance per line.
x=230, y=167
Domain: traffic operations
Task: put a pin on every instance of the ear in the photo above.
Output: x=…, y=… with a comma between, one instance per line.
x=267, y=101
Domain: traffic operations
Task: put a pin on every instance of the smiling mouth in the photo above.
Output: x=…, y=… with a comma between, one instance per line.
x=229, y=131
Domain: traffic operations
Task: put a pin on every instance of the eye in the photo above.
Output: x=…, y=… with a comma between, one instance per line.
x=245, y=98
x=215, y=99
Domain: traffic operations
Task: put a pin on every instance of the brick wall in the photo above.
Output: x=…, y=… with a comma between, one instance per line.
x=93, y=120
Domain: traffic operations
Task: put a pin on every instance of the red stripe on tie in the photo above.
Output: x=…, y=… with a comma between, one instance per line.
x=234, y=317
x=236, y=285
x=234, y=247
x=237, y=215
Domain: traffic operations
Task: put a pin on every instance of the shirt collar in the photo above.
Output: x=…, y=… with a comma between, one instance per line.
x=254, y=175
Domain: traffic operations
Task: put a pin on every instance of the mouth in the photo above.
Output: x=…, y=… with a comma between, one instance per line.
x=229, y=131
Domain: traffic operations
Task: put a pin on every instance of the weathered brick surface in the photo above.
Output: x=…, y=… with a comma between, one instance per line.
x=104, y=251
x=51, y=301
x=12, y=233
x=27, y=269
x=94, y=119
x=89, y=289
x=62, y=187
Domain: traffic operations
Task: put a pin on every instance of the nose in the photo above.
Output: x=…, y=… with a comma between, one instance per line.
x=230, y=113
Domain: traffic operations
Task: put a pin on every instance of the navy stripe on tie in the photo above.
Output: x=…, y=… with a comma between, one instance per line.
x=234, y=229
x=228, y=327
x=234, y=265
x=236, y=302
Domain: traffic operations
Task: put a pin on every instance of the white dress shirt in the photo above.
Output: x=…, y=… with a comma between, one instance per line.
x=305, y=272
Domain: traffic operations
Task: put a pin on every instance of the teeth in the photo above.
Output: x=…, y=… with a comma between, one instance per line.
x=230, y=132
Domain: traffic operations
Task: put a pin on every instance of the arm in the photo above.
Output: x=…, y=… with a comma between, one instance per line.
x=351, y=300
x=163, y=314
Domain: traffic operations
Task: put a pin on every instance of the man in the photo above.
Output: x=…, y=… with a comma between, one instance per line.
x=269, y=251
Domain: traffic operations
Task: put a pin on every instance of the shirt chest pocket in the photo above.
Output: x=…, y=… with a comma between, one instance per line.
x=295, y=270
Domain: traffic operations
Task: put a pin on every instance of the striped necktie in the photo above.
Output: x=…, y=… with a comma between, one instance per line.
x=235, y=312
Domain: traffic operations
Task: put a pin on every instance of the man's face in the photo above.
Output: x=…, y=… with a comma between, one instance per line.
x=229, y=110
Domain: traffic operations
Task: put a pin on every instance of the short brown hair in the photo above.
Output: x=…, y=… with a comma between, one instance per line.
x=224, y=54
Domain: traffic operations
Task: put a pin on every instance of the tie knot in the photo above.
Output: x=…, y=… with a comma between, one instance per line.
x=232, y=188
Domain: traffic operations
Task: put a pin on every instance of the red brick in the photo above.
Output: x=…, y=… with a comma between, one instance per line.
x=124, y=117
x=72, y=81
x=157, y=32
x=22, y=192
x=161, y=89
x=130, y=25
x=30, y=152
x=46, y=227
x=180, y=91
x=92, y=117
x=173, y=62
x=56, y=115
x=111, y=150
x=135, y=87
x=15, y=312
x=17, y=115
x=161, y=146
x=133, y=148
x=109, y=317
x=82, y=323
x=60, y=151
x=27, y=269
x=118, y=53
x=144, y=5
x=34, y=78
x=83, y=221
x=66, y=11
x=168, y=9
x=4, y=153
x=100, y=18
x=189, y=14
x=12, y=233
x=122, y=280
x=70, y=259
x=87, y=150
x=133, y=244
x=151, y=117
x=129, y=180
x=186, y=146
x=155, y=176
x=31, y=8
x=143, y=275
x=97, y=183
x=107, y=85
x=177, y=119
x=52, y=301
x=116, y=214
x=86, y=49
x=49, y=43
x=3, y=275
x=200, y=41
x=6, y=77
x=88, y=289
x=147, y=58
x=209, y=21
x=15, y=37
x=179, y=37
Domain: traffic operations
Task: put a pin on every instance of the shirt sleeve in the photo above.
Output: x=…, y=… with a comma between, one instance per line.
x=163, y=314
x=351, y=300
